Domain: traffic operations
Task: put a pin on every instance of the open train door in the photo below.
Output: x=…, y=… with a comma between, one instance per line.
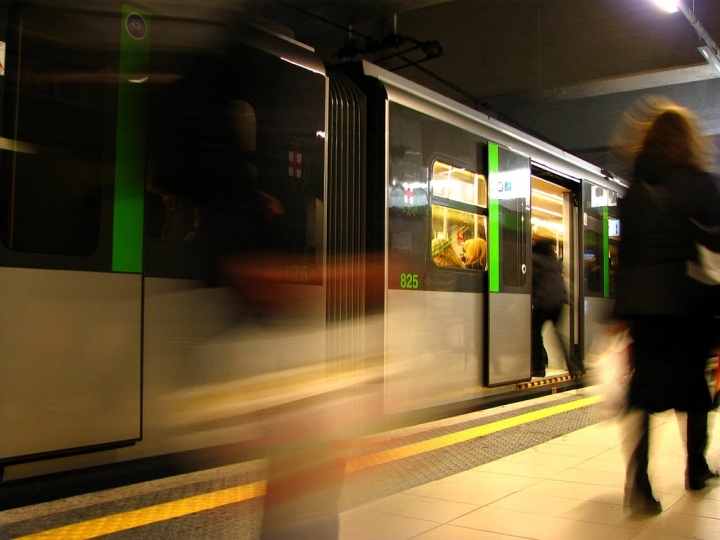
x=509, y=261
x=554, y=218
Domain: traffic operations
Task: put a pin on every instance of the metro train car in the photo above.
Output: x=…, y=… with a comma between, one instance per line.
x=107, y=318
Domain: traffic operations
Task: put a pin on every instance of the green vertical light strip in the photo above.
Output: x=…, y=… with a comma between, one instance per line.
x=493, y=221
x=606, y=254
x=129, y=144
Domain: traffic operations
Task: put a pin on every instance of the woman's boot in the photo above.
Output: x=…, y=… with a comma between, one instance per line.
x=697, y=471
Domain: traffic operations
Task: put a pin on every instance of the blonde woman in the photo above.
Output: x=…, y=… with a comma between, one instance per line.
x=671, y=328
x=444, y=254
x=475, y=253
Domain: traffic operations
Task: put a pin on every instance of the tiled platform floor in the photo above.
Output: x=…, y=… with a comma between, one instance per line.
x=570, y=488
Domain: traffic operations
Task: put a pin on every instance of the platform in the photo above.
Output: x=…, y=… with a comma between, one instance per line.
x=548, y=468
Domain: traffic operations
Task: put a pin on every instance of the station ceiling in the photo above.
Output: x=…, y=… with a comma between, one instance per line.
x=564, y=69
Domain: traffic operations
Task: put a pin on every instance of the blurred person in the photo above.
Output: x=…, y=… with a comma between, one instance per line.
x=444, y=254
x=670, y=324
x=281, y=366
x=549, y=295
x=475, y=253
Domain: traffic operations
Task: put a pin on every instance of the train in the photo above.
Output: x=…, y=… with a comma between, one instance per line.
x=106, y=315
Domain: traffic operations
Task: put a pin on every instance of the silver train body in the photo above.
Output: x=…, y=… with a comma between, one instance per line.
x=105, y=320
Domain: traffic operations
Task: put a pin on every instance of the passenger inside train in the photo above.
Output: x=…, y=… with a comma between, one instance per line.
x=475, y=253
x=444, y=254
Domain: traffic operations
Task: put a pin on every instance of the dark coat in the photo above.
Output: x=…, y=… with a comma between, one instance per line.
x=548, y=286
x=658, y=239
x=670, y=329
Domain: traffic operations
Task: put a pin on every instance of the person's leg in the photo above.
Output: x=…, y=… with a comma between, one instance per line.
x=539, y=316
x=698, y=470
x=574, y=367
x=697, y=398
x=638, y=492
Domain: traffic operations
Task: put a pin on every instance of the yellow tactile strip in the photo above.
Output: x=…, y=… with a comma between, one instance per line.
x=152, y=514
x=443, y=441
x=182, y=507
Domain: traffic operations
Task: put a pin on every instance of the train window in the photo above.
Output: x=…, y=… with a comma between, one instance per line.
x=613, y=245
x=459, y=220
x=51, y=181
x=458, y=238
x=245, y=124
x=513, y=214
x=170, y=207
x=593, y=256
x=172, y=216
x=262, y=137
x=602, y=236
x=459, y=184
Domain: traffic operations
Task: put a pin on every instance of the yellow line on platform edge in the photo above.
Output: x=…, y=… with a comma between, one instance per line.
x=153, y=514
x=429, y=445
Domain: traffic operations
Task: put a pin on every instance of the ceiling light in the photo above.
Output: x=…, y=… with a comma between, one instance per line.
x=710, y=49
x=668, y=5
x=711, y=56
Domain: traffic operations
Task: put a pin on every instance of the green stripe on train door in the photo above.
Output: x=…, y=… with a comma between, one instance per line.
x=606, y=253
x=493, y=223
x=130, y=144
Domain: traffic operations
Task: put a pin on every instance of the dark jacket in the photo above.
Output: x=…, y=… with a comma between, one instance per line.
x=657, y=239
x=548, y=286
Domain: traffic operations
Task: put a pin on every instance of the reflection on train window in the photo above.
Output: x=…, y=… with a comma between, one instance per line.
x=593, y=256
x=459, y=184
x=245, y=124
x=174, y=217
x=613, y=244
x=459, y=220
x=602, y=237
x=513, y=215
x=513, y=189
x=50, y=187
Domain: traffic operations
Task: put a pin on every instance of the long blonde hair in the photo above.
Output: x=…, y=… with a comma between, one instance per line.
x=658, y=126
x=475, y=252
x=444, y=254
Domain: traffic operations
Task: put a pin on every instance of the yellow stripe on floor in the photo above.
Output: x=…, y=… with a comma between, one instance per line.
x=152, y=514
x=402, y=452
x=198, y=503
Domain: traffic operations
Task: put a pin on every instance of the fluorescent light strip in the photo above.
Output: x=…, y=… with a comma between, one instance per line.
x=547, y=196
x=538, y=209
x=557, y=228
x=711, y=56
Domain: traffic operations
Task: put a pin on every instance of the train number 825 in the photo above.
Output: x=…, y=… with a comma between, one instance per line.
x=408, y=281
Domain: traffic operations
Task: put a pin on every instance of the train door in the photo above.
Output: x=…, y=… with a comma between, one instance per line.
x=71, y=195
x=553, y=218
x=509, y=283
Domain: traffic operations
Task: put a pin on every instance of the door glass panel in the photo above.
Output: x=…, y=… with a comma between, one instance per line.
x=511, y=188
x=602, y=236
x=547, y=218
